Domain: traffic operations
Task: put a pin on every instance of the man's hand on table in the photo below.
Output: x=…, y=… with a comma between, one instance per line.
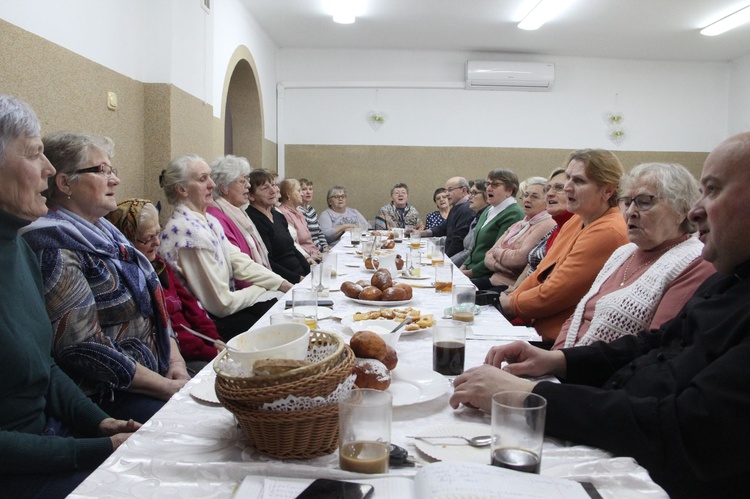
x=524, y=359
x=476, y=386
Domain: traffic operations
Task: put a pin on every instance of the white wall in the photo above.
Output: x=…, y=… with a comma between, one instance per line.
x=666, y=105
x=739, y=96
x=238, y=27
x=153, y=41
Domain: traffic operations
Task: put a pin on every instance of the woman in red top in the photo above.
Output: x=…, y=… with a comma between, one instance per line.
x=138, y=220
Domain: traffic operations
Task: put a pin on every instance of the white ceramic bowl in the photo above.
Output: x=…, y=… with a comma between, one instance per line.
x=280, y=341
x=381, y=327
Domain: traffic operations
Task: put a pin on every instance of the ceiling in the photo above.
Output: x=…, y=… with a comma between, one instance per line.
x=630, y=29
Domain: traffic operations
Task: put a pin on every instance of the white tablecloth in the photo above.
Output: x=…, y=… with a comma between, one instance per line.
x=195, y=449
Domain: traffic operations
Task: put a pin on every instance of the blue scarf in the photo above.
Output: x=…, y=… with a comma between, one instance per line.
x=63, y=229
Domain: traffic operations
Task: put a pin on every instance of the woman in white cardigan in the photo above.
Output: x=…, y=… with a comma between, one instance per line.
x=646, y=282
x=194, y=245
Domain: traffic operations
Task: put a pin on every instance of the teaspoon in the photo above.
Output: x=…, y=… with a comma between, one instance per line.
x=478, y=441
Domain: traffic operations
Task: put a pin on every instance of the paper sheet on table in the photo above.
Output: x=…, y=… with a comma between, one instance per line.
x=502, y=332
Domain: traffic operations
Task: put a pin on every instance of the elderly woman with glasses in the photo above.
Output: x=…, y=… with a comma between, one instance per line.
x=549, y=296
x=194, y=245
x=231, y=176
x=646, y=282
x=504, y=211
x=507, y=258
x=105, y=302
x=478, y=203
x=138, y=220
x=439, y=216
x=339, y=218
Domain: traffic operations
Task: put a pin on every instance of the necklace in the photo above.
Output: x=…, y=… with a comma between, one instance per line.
x=643, y=265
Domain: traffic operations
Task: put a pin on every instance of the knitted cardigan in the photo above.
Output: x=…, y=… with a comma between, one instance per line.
x=630, y=309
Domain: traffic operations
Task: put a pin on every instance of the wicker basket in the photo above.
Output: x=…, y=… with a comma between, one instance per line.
x=301, y=434
x=318, y=339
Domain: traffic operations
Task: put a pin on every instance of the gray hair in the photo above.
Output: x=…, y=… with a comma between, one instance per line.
x=17, y=119
x=176, y=173
x=226, y=170
x=673, y=183
x=148, y=214
x=536, y=181
x=332, y=190
x=69, y=151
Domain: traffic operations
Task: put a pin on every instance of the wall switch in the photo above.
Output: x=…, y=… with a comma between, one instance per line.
x=112, y=100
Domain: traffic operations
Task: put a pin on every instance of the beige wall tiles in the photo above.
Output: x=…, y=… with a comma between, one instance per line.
x=369, y=172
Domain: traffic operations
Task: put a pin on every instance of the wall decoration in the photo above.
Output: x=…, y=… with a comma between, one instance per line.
x=615, y=131
x=376, y=119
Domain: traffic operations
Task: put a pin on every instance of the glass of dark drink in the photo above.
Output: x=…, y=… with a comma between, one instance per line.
x=448, y=347
x=365, y=431
x=518, y=430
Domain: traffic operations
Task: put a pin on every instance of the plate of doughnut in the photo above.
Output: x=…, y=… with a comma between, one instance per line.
x=380, y=303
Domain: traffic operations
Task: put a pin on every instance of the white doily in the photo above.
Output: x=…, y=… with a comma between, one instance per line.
x=291, y=403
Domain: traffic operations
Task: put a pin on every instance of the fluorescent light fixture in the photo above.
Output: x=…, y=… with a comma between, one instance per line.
x=725, y=24
x=543, y=12
x=344, y=11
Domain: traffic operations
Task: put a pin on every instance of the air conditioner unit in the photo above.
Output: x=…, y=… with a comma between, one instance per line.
x=499, y=75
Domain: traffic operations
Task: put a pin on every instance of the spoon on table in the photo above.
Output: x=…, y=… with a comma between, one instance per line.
x=217, y=343
x=478, y=441
x=406, y=321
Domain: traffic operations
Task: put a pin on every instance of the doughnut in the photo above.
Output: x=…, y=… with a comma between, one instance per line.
x=368, y=345
x=382, y=279
x=351, y=289
x=370, y=293
x=371, y=373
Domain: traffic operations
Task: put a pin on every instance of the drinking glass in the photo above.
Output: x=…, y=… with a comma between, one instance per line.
x=464, y=299
x=438, y=251
x=415, y=239
x=320, y=278
x=356, y=234
x=518, y=430
x=287, y=318
x=448, y=347
x=444, y=277
x=305, y=302
x=365, y=431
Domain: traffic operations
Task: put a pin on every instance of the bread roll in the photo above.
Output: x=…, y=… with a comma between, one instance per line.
x=390, y=358
x=389, y=244
x=369, y=264
x=371, y=293
x=382, y=279
x=394, y=294
x=399, y=262
x=267, y=367
x=371, y=373
x=364, y=283
x=368, y=345
x=351, y=289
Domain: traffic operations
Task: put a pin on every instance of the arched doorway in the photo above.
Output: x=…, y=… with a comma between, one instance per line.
x=243, y=109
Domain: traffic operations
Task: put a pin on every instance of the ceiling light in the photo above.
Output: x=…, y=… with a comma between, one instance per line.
x=543, y=12
x=344, y=11
x=725, y=24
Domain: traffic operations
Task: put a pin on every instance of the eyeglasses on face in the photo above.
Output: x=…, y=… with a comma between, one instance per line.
x=451, y=189
x=643, y=202
x=338, y=196
x=531, y=195
x=149, y=239
x=554, y=187
x=495, y=184
x=103, y=169
x=243, y=180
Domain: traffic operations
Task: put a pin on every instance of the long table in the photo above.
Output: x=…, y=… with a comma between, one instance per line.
x=192, y=448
